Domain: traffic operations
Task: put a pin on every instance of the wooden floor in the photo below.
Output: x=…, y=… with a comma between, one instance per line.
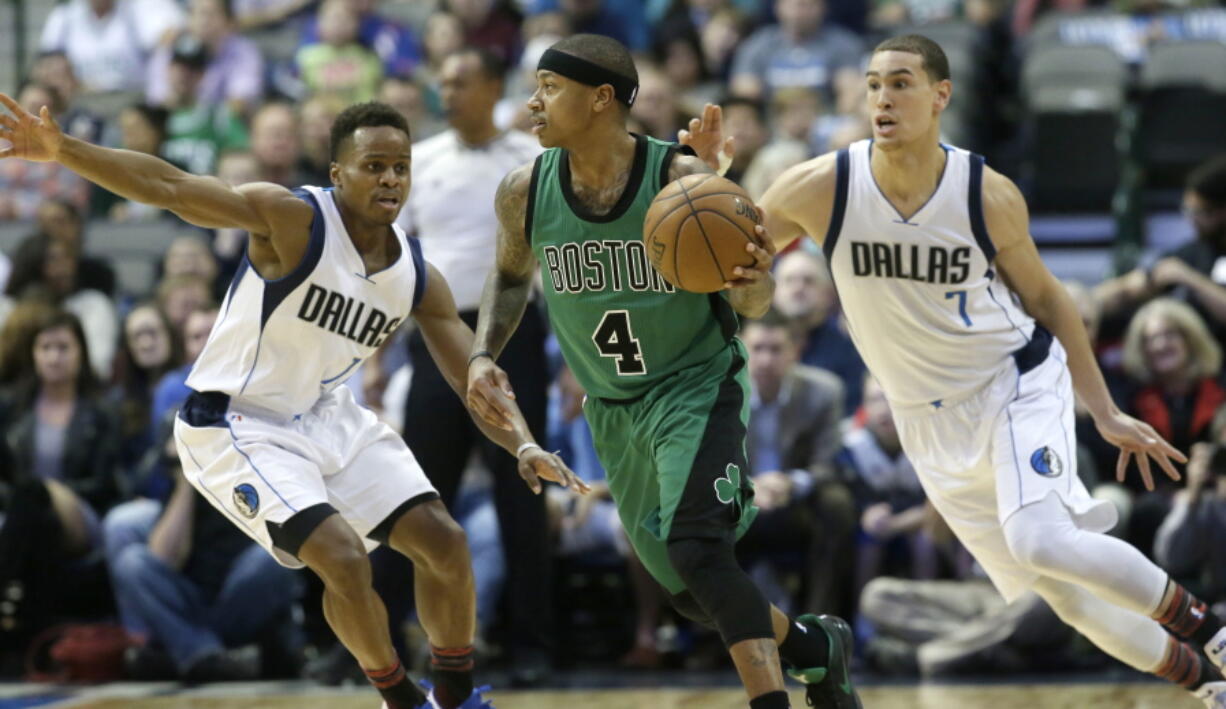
x=1074, y=696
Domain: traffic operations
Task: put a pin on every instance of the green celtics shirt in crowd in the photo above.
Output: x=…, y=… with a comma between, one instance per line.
x=621, y=326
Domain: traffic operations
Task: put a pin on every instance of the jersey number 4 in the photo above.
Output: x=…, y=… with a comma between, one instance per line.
x=614, y=338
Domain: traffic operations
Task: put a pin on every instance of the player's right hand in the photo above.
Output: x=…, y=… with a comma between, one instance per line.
x=34, y=138
x=488, y=393
x=536, y=463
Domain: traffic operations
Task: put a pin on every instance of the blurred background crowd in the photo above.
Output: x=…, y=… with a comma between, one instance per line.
x=1108, y=114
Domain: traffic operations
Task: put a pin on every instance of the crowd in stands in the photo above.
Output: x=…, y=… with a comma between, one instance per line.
x=98, y=524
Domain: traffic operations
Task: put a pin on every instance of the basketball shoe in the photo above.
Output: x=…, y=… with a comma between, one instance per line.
x=474, y=701
x=1213, y=694
x=830, y=687
x=1216, y=649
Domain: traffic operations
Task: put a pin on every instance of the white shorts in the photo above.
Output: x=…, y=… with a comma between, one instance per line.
x=260, y=469
x=1009, y=445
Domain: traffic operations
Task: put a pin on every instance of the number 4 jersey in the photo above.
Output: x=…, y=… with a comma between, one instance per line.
x=925, y=307
x=621, y=326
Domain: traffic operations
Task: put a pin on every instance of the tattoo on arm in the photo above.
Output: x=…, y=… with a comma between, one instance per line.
x=510, y=283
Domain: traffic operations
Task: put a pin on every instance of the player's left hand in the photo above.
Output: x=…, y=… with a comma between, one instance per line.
x=536, y=463
x=1138, y=439
x=763, y=253
x=706, y=137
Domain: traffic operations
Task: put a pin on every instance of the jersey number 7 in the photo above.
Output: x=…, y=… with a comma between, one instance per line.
x=613, y=338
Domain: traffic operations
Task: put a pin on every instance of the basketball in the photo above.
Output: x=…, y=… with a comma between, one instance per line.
x=696, y=231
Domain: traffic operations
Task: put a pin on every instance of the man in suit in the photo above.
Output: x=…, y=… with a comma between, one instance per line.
x=807, y=513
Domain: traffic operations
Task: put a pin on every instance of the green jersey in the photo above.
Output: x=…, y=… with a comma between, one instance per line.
x=621, y=326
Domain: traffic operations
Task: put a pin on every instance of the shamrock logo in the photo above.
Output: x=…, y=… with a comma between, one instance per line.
x=726, y=487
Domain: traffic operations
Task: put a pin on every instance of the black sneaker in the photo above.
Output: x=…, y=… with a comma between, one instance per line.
x=830, y=687
x=225, y=666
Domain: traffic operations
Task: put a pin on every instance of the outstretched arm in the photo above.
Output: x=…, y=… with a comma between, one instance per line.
x=449, y=341
x=800, y=201
x=1045, y=299
x=201, y=200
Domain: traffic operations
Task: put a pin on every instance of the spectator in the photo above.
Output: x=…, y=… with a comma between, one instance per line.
x=745, y=122
x=62, y=441
x=172, y=389
x=1198, y=514
x=802, y=50
x=142, y=129
x=197, y=131
x=679, y=54
x=200, y=588
x=108, y=41
x=260, y=14
x=230, y=245
x=48, y=268
x=149, y=350
x=492, y=24
x=317, y=114
x=233, y=71
x=275, y=144
x=805, y=294
x=54, y=70
x=338, y=64
x=1170, y=354
x=16, y=334
x=24, y=185
x=409, y=98
x=61, y=221
x=623, y=20
x=1190, y=272
x=395, y=46
x=889, y=498
x=444, y=35
x=1174, y=365
x=793, y=438
x=720, y=38
x=180, y=296
x=655, y=107
x=189, y=256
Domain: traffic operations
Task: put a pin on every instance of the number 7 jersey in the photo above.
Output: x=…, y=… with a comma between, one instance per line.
x=924, y=304
x=622, y=327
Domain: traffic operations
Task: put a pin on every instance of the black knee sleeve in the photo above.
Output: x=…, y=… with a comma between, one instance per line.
x=685, y=604
x=722, y=590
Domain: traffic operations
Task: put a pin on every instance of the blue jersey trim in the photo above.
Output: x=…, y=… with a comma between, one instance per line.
x=276, y=291
x=975, y=204
x=842, y=179
x=419, y=270
x=244, y=265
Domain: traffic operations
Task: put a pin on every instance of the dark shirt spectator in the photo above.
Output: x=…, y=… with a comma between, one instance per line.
x=1198, y=515
x=149, y=349
x=623, y=20
x=802, y=50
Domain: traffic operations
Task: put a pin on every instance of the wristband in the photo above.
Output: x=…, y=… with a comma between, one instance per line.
x=525, y=446
x=725, y=162
x=478, y=354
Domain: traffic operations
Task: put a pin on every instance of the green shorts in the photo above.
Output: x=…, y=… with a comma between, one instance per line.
x=675, y=459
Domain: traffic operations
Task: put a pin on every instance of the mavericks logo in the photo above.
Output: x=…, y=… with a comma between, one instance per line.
x=1046, y=463
x=247, y=500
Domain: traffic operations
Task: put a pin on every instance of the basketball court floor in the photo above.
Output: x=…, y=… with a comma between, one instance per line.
x=1128, y=694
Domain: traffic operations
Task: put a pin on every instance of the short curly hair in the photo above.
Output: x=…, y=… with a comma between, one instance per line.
x=365, y=115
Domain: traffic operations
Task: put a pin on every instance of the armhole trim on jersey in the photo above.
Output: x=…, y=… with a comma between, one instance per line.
x=842, y=179
x=419, y=270
x=666, y=164
x=277, y=290
x=531, y=208
x=974, y=197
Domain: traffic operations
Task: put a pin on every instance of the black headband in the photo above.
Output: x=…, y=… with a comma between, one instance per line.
x=585, y=72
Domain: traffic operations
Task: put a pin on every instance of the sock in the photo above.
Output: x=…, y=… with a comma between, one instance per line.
x=804, y=647
x=770, y=700
x=1186, y=615
x=1186, y=667
x=397, y=689
x=452, y=669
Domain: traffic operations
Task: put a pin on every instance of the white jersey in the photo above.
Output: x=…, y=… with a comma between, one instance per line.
x=451, y=207
x=279, y=345
x=924, y=305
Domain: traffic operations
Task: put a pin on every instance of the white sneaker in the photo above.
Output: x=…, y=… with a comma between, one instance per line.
x=1213, y=694
x=1216, y=649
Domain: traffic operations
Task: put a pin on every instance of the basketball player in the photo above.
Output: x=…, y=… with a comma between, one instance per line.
x=665, y=377
x=269, y=435
x=979, y=350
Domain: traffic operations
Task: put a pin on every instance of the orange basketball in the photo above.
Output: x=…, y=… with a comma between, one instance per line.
x=696, y=231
